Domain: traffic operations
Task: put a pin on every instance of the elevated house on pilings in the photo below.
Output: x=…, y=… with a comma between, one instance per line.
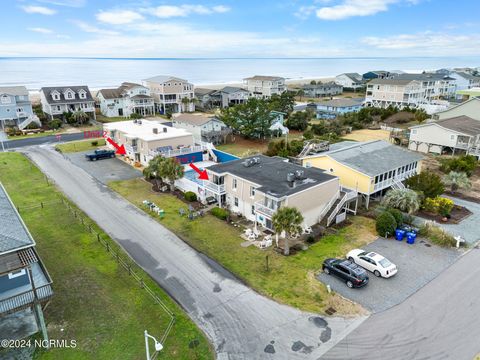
x=25, y=285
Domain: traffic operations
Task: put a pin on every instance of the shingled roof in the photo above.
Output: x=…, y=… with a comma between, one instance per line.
x=462, y=124
x=47, y=91
x=13, y=232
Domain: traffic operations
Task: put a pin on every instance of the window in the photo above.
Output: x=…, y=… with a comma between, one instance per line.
x=17, y=273
x=252, y=191
x=234, y=184
x=5, y=99
x=19, y=110
x=414, y=131
x=235, y=201
x=452, y=137
x=253, y=209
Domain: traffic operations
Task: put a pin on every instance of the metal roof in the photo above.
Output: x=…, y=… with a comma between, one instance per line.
x=13, y=232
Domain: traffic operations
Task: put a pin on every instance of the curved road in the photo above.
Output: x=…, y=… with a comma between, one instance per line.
x=49, y=139
x=239, y=322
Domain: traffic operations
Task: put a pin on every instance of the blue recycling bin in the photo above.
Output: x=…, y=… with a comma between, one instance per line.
x=399, y=234
x=411, y=236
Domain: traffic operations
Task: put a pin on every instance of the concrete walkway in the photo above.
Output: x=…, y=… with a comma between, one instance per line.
x=239, y=322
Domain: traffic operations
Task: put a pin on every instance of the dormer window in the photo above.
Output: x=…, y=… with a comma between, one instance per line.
x=55, y=95
x=69, y=94
x=82, y=94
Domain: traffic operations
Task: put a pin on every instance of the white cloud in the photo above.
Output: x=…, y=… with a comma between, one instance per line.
x=92, y=29
x=68, y=3
x=41, y=30
x=427, y=43
x=31, y=9
x=351, y=8
x=168, y=11
x=118, y=17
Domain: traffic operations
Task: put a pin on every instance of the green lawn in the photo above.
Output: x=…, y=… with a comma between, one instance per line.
x=63, y=130
x=103, y=119
x=290, y=280
x=82, y=145
x=95, y=301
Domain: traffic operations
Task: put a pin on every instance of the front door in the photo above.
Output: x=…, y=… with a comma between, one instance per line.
x=120, y=112
x=268, y=224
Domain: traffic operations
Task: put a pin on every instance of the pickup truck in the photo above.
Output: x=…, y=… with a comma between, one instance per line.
x=100, y=154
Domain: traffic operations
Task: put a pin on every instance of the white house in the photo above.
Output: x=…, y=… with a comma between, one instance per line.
x=465, y=81
x=204, y=128
x=63, y=99
x=350, y=80
x=451, y=135
x=126, y=100
x=470, y=108
x=263, y=87
x=171, y=94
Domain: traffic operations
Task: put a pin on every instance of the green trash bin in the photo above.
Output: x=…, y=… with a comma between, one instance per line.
x=161, y=213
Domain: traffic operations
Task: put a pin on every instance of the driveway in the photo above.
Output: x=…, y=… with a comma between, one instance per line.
x=240, y=323
x=104, y=170
x=418, y=264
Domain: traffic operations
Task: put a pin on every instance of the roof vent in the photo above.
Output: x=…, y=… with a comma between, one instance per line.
x=155, y=130
x=300, y=174
x=290, y=177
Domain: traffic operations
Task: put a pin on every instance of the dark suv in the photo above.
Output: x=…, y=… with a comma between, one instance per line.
x=353, y=274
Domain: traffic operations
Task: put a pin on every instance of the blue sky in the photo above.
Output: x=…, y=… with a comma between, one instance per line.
x=228, y=28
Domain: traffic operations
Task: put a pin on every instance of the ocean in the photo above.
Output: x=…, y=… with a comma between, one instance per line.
x=98, y=73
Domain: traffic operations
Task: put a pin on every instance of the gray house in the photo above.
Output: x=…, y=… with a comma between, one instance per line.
x=15, y=107
x=322, y=89
x=63, y=99
x=25, y=285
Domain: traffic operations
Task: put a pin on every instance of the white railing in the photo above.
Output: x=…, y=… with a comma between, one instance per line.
x=264, y=209
x=337, y=209
x=177, y=152
x=462, y=145
x=218, y=189
x=397, y=184
x=474, y=150
x=328, y=206
x=398, y=178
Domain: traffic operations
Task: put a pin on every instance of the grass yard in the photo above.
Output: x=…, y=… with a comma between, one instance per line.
x=290, y=280
x=368, y=135
x=82, y=145
x=95, y=301
x=103, y=119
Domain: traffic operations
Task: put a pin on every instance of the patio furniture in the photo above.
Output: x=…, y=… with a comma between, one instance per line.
x=265, y=243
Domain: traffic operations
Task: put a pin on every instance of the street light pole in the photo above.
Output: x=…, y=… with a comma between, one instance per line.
x=158, y=346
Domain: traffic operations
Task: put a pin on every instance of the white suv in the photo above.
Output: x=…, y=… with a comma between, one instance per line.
x=376, y=263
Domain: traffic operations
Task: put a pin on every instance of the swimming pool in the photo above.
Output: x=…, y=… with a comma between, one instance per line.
x=193, y=176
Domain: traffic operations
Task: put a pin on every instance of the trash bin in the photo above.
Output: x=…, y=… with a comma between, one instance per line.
x=161, y=213
x=399, y=234
x=411, y=236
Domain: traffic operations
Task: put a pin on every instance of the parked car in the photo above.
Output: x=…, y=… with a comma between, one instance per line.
x=371, y=261
x=355, y=276
x=210, y=200
x=100, y=154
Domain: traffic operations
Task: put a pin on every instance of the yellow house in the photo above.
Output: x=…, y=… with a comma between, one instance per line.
x=370, y=167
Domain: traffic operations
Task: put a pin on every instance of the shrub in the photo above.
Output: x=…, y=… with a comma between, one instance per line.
x=94, y=143
x=385, y=224
x=190, y=196
x=55, y=124
x=397, y=214
x=429, y=183
x=437, y=235
x=310, y=239
x=220, y=213
x=464, y=163
x=135, y=116
x=439, y=205
x=402, y=199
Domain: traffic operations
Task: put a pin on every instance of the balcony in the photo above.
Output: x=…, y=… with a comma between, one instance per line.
x=216, y=188
x=261, y=208
x=400, y=177
x=131, y=148
x=25, y=299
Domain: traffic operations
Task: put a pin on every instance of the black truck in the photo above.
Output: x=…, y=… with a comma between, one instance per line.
x=100, y=154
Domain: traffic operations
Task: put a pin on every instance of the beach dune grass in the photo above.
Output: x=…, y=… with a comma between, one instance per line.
x=290, y=280
x=95, y=301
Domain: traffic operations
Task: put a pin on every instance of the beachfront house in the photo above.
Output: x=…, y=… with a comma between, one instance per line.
x=25, y=285
x=203, y=127
x=434, y=86
x=204, y=98
x=15, y=107
x=257, y=186
x=456, y=135
x=263, y=87
x=464, y=81
x=470, y=108
x=319, y=89
x=67, y=99
x=350, y=81
x=378, y=74
x=332, y=108
x=394, y=92
x=370, y=168
x=230, y=95
x=128, y=99
x=171, y=94
x=144, y=139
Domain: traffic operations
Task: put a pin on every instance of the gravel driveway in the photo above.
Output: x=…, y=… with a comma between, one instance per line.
x=418, y=264
x=104, y=170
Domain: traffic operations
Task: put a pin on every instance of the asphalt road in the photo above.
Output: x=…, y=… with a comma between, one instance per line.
x=240, y=323
x=50, y=139
x=440, y=321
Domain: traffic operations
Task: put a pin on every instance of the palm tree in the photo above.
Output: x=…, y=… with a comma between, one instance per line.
x=300, y=93
x=80, y=117
x=405, y=200
x=288, y=220
x=152, y=171
x=171, y=170
x=457, y=180
x=420, y=115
